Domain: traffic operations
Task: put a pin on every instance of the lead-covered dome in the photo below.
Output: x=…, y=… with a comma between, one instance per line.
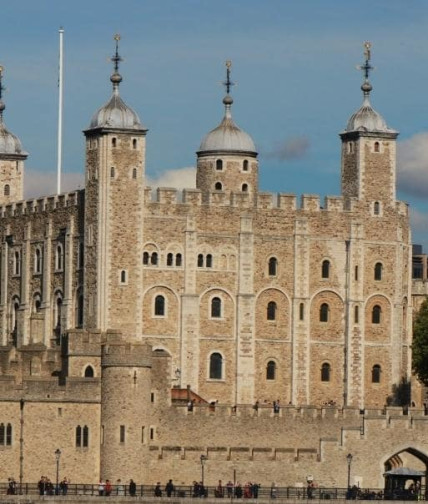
x=115, y=113
x=227, y=137
x=367, y=119
x=9, y=143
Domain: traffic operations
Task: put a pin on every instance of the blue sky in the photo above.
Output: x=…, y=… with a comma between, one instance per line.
x=293, y=61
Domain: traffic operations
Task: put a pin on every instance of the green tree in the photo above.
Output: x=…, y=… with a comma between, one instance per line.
x=420, y=344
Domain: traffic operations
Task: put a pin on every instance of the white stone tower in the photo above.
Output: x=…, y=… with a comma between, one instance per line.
x=115, y=164
x=12, y=159
x=227, y=157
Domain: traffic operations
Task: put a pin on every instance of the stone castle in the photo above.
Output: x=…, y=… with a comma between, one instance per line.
x=117, y=308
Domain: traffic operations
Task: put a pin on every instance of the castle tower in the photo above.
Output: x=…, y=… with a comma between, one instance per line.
x=369, y=152
x=227, y=157
x=115, y=165
x=12, y=159
x=125, y=409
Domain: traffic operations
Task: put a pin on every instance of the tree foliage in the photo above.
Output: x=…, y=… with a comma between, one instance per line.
x=420, y=344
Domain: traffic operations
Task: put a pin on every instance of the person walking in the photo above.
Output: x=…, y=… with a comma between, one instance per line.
x=132, y=488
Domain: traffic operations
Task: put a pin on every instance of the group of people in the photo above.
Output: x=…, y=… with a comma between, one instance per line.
x=105, y=488
x=46, y=487
x=169, y=489
x=11, y=486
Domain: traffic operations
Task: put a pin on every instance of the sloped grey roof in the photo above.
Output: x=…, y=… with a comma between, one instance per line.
x=367, y=119
x=404, y=471
x=116, y=114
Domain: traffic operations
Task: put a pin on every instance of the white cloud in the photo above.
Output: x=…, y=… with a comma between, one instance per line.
x=38, y=183
x=412, y=165
x=180, y=178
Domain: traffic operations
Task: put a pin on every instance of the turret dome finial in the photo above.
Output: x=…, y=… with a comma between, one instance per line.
x=228, y=100
x=366, y=87
x=116, y=78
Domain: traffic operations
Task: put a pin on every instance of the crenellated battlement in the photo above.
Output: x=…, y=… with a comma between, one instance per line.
x=40, y=205
x=260, y=201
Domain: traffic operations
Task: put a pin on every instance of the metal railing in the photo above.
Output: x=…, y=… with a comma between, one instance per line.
x=244, y=492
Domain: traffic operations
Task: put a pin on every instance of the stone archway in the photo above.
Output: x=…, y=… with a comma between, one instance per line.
x=407, y=461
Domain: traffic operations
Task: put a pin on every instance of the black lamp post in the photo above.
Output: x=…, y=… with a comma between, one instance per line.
x=203, y=460
x=57, y=457
x=349, y=460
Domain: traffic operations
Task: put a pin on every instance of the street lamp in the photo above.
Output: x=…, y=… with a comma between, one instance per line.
x=203, y=460
x=349, y=460
x=57, y=457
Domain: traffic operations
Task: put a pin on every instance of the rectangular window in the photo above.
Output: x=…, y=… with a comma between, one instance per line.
x=122, y=434
x=152, y=433
x=102, y=434
x=142, y=435
x=152, y=397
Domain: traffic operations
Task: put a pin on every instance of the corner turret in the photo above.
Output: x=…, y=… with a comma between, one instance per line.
x=227, y=156
x=369, y=152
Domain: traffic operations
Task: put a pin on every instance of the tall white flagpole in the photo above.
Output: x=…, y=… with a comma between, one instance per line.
x=60, y=98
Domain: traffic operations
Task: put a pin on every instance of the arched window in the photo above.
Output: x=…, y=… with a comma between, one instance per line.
x=216, y=307
x=7, y=190
x=376, y=208
x=9, y=434
x=325, y=372
x=159, y=306
x=37, y=303
x=244, y=187
x=200, y=261
x=85, y=439
x=216, y=366
x=218, y=186
x=219, y=165
x=301, y=311
x=376, y=313
x=245, y=165
x=271, y=370
x=356, y=314
x=271, y=310
x=376, y=370
x=272, y=266
x=134, y=173
x=59, y=257
x=17, y=263
x=89, y=372
x=170, y=259
x=376, y=147
x=37, y=261
x=178, y=260
x=78, y=436
x=209, y=261
x=325, y=269
x=113, y=142
x=154, y=258
x=146, y=258
x=81, y=258
x=57, y=314
x=112, y=172
x=79, y=318
x=378, y=271
x=123, y=277
x=134, y=143
x=324, y=309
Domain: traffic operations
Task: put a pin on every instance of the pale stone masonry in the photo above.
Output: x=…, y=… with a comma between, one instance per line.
x=114, y=303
